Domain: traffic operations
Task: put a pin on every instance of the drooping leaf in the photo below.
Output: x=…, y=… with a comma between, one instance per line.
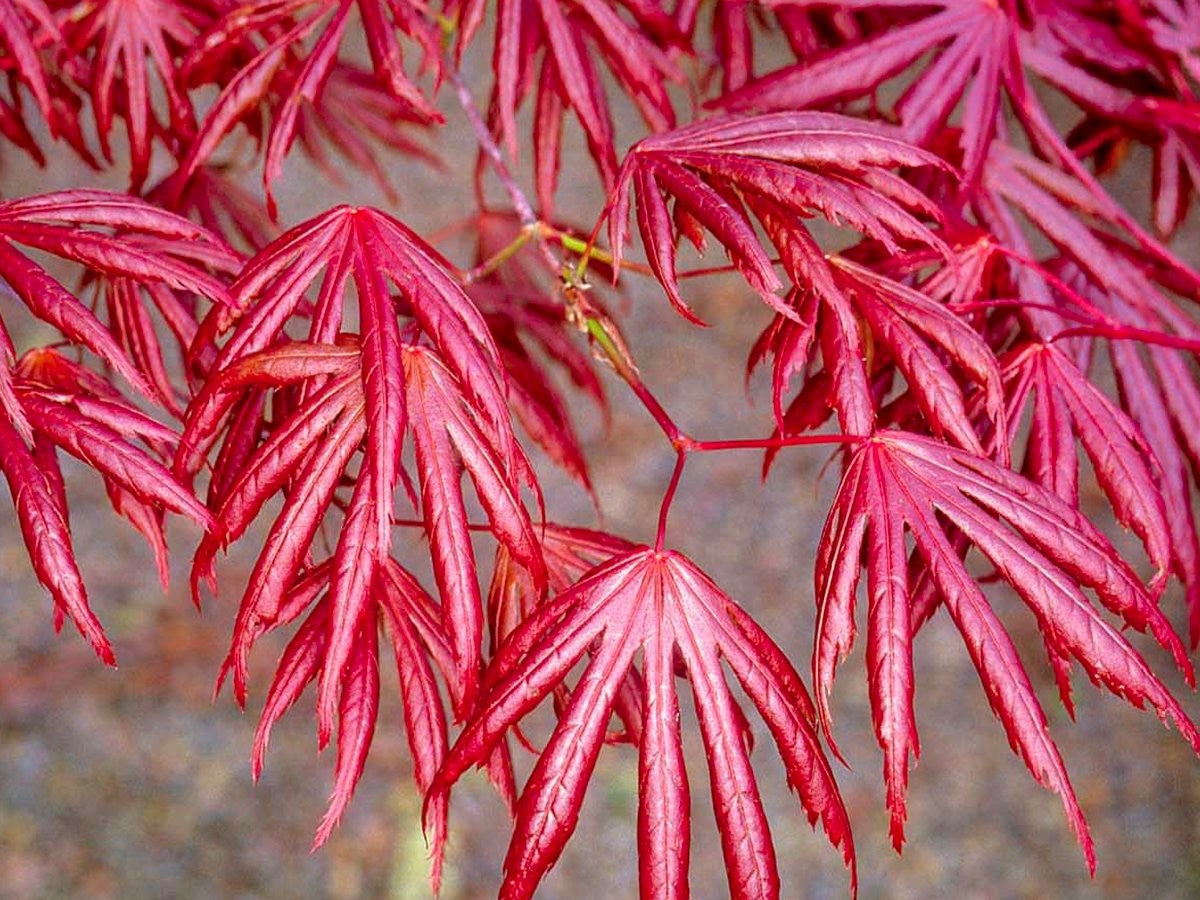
x=113, y=237
x=974, y=44
x=409, y=618
x=281, y=69
x=59, y=405
x=26, y=26
x=1065, y=406
x=660, y=604
x=118, y=43
x=547, y=46
x=449, y=393
x=802, y=163
x=1041, y=545
x=846, y=301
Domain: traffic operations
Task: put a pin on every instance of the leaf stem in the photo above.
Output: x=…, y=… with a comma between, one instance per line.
x=499, y=258
x=664, y=510
x=615, y=353
x=420, y=523
x=803, y=440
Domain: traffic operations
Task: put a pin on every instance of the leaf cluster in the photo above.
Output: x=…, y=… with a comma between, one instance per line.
x=341, y=381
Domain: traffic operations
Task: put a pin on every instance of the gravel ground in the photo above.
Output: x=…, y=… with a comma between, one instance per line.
x=135, y=783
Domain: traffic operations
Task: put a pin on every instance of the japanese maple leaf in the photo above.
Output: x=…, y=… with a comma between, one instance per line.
x=119, y=42
x=919, y=335
x=1159, y=391
x=659, y=604
x=807, y=29
x=371, y=248
x=214, y=198
x=1067, y=406
x=862, y=362
x=799, y=163
x=1169, y=28
x=1116, y=116
x=51, y=404
x=1111, y=278
x=1072, y=210
x=549, y=44
x=897, y=484
x=307, y=455
x=974, y=43
x=133, y=308
x=410, y=620
x=352, y=113
x=465, y=378
x=26, y=28
x=272, y=35
x=112, y=236
x=570, y=552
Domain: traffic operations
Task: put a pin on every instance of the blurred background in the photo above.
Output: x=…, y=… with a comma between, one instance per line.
x=136, y=783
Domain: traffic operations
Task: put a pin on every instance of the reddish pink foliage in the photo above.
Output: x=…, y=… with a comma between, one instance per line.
x=955, y=340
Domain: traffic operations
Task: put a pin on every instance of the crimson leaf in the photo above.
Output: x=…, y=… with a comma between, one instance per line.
x=1038, y=543
x=658, y=603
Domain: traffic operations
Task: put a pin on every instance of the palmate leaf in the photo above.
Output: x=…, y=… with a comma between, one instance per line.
x=1171, y=27
x=127, y=306
x=1159, y=393
x=917, y=336
x=1042, y=546
x=410, y=619
x=214, y=198
x=308, y=456
x=1071, y=209
x=1158, y=388
x=355, y=116
x=547, y=44
x=117, y=43
x=309, y=452
x=1117, y=116
x=445, y=429
x=272, y=36
x=808, y=29
x=373, y=249
x=880, y=316
x=113, y=237
x=657, y=603
x=1094, y=55
x=1067, y=406
x=973, y=41
x=54, y=404
x=370, y=248
x=26, y=27
x=799, y=163
x=569, y=552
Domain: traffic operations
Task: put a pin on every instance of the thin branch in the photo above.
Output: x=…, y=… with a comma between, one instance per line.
x=521, y=205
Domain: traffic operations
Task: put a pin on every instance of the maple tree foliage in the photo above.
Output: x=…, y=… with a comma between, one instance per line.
x=919, y=193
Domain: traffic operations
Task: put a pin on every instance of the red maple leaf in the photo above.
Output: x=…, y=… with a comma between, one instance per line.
x=896, y=483
x=657, y=603
x=52, y=404
x=562, y=36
